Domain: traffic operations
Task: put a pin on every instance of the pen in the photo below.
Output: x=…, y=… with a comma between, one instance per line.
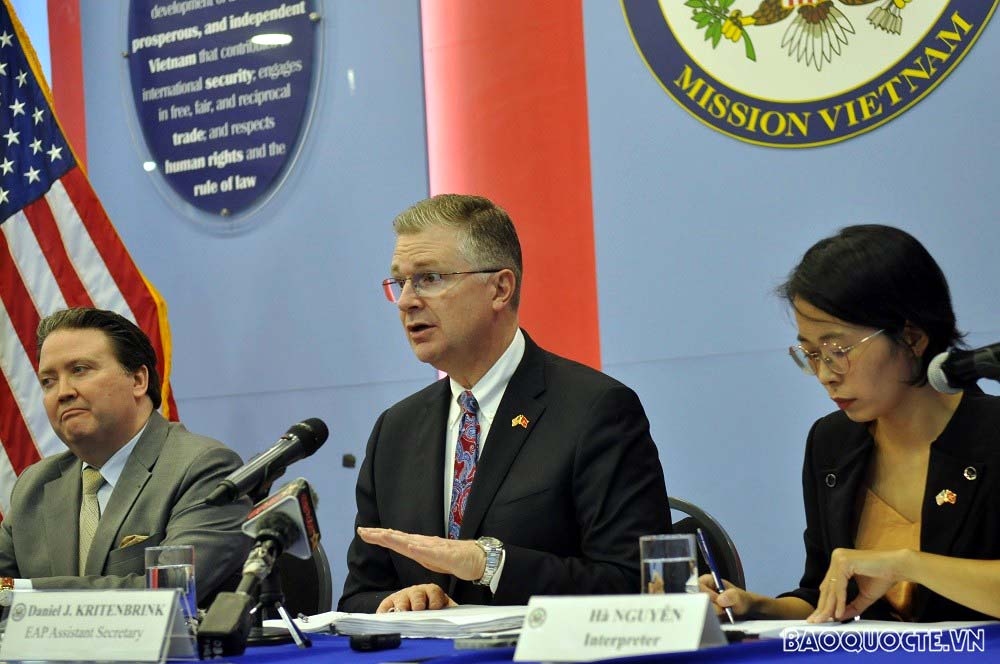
x=703, y=545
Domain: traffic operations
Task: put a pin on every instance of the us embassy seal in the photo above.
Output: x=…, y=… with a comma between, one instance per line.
x=802, y=73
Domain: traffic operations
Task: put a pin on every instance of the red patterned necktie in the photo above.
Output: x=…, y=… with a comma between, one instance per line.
x=466, y=454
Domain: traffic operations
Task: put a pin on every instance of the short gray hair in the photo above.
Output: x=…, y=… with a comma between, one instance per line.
x=488, y=237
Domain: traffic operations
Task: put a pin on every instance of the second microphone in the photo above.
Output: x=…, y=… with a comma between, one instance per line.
x=301, y=440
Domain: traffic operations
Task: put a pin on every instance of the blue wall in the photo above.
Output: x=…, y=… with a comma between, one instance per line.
x=34, y=16
x=693, y=231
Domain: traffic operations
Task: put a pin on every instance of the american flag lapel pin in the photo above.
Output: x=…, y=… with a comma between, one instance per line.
x=520, y=420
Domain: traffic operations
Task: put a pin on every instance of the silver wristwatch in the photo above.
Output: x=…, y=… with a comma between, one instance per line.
x=493, y=548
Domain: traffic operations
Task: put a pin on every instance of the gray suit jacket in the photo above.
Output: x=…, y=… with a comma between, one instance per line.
x=159, y=495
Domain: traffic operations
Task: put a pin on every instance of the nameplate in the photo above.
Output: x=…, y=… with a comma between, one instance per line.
x=91, y=625
x=587, y=628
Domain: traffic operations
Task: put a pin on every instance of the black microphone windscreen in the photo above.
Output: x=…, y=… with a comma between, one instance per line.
x=312, y=432
x=279, y=527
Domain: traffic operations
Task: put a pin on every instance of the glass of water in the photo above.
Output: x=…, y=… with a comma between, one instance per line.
x=173, y=567
x=669, y=564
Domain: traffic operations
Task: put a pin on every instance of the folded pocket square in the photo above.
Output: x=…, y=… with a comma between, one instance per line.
x=129, y=540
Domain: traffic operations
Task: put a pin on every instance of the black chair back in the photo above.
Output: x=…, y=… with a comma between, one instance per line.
x=719, y=543
x=306, y=584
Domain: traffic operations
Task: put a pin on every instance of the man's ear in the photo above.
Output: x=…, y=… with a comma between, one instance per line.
x=504, y=281
x=140, y=381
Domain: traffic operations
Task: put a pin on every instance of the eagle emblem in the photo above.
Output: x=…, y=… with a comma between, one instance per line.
x=818, y=31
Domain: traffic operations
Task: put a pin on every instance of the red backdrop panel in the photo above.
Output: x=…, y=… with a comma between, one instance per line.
x=507, y=119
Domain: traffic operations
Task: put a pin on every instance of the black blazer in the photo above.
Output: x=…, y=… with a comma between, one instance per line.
x=568, y=495
x=965, y=459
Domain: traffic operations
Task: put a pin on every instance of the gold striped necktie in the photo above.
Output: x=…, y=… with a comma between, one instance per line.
x=90, y=512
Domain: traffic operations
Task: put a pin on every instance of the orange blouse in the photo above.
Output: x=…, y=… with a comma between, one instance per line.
x=881, y=528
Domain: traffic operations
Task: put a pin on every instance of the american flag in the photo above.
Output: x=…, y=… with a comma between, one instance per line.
x=58, y=249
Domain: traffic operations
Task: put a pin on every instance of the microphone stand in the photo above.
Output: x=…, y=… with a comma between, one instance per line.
x=270, y=605
x=230, y=624
x=262, y=564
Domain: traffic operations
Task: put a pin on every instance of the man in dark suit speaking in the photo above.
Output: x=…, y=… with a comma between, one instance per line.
x=130, y=479
x=522, y=472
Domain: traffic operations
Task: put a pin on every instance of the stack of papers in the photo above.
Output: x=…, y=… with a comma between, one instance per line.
x=453, y=623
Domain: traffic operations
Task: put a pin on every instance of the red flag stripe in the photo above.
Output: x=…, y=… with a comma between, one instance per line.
x=20, y=307
x=42, y=222
x=19, y=447
x=26, y=393
x=16, y=437
x=31, y=264
x=87, y=259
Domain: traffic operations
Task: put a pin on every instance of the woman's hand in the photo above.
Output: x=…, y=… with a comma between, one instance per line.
x=733, y=597
x=874, y=572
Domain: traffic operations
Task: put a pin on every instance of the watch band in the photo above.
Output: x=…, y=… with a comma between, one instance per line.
x=493, y=549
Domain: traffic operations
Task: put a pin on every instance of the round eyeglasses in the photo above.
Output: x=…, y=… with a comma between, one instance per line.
x=425, y=284
x=834, y=356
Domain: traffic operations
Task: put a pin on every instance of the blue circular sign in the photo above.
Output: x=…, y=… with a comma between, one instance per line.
x=223, y=92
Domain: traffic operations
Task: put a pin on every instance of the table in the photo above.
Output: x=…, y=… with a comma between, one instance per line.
x=328, y=648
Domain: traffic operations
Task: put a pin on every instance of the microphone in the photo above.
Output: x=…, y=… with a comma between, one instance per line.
x=275, y=532
x=300, y=441
x=297, y=501
x=227, y=624
x=951, y=371
x=283, y=522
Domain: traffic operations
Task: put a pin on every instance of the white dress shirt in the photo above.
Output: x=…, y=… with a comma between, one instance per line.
x=488, y=393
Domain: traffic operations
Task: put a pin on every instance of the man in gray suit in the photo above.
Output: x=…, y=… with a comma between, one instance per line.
x=100, y=386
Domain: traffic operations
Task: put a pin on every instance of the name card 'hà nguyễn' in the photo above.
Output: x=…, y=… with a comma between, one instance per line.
x=587, y=628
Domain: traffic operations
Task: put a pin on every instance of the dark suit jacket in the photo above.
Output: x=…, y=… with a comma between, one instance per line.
x=568, y=496
x=159, y=495
x=965, y=459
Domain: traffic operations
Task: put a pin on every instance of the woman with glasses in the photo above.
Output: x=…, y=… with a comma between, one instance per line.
x=901, y=483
